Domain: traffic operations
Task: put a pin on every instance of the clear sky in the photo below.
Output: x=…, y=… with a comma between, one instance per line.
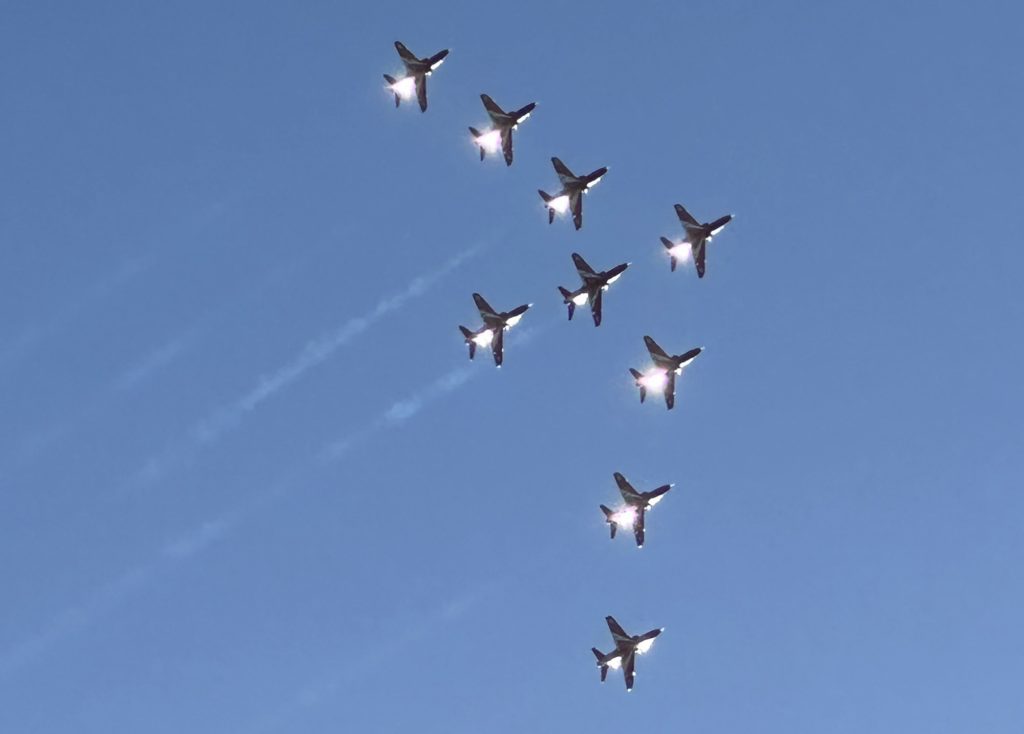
x=249, y=481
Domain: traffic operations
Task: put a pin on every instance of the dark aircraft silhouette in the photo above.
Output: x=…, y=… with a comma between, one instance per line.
x=502, y=125
x=494, y=328
x=637, y=503
x=570, y=198
x=627, y=647
x=697, y=237
x=663, y=376
x=417, y=70
x=594, y=284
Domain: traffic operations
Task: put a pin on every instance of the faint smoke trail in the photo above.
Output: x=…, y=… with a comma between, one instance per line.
x=213, y=427
x=13, y=350
x=195, y=541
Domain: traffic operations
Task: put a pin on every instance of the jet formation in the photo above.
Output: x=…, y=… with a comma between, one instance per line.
x=637, y=504
x=570, y=198
x=663, y=375
x=594, y=285
x=697, y=237
x=416, y=72
x=502, y=125
x=492, y=333
x=627, y=647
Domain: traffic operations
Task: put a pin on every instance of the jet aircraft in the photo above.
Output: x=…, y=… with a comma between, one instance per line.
x=570, y=198
x=502, y=125
x=495, y=325
x=627, y=647
x=663, y=375
x=594, y=284
x=697, y=237
x=637, y=503
x=416, y=72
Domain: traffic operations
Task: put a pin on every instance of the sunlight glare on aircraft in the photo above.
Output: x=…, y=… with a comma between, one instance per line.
x=560, y=204
x=624, y=517
x=513, y=321
x=484, y=338
x=580, y=299
x=490, y=141
x=644, y=646
x=654, y=380
x=405, y=87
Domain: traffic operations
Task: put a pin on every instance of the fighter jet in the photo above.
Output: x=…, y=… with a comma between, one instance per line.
x=594, y=284
x=697, y=237
x=416, y=72
x=637, y=503
x=494, y=328
x=502, y=125
x=663, y=374
x=627, y=647
x=571, y=195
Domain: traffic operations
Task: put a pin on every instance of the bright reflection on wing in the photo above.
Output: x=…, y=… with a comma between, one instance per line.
x=654, y=380
x=615, y=663
x=655, y=500
x=614, y=278
x=404, y=87
x=644, y=646
x=490, y=141
x=624, y=517
x=580, y=299
x=513, y=321
x=484, y=338
x=560, y=204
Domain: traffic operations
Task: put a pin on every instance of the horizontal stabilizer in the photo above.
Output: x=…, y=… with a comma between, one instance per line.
x=638, y=378
x=609, y=516
x=469, y=340
x=567, y=299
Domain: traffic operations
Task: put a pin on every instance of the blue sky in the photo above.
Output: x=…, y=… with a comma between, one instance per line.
x=249, y=481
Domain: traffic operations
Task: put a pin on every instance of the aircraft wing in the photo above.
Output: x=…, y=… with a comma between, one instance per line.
x=628, y=665
x=421, y=91
x=625, y=488
x=699, y=251
x=564, y=174
x=483, y=307
x=618, y=634
x=405, y=53
x=638, y=528
x=684, y=216
x=492, y=108
x=582, y=267
x=595, y=307
x=654, y=349
x=506, y=145
x=576, y=202
x=670, y=390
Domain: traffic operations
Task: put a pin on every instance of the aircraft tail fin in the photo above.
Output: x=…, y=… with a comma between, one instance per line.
x=469, y=340
x=604, y=667
x=638, y=377
x=609, y=518
x=567, y=298
x=391, y=83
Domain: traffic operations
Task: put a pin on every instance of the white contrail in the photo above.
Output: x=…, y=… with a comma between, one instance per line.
x=222, y=420
x=198, y=539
